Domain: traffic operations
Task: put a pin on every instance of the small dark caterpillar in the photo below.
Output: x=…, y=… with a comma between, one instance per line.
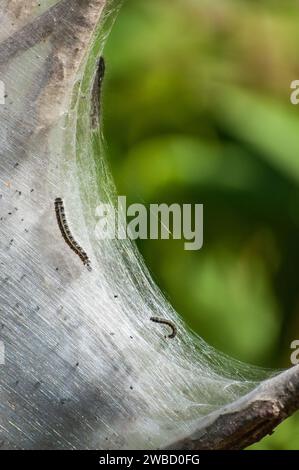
x=96, y=93
x=66, y=233
x=168, y=323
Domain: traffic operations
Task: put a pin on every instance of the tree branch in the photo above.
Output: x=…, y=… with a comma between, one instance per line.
x=250, y=418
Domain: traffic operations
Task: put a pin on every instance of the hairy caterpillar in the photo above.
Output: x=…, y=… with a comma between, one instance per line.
x=166, y=322
x=96, y=93
x=66, y=233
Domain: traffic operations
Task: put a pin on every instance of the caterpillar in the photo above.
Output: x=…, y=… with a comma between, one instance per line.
x=168, y=323
x=66, y=233
x=96, y=93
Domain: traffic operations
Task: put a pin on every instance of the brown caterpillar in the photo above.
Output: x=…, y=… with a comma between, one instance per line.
x=168, y=323
x=66, y=233
x=96, y=93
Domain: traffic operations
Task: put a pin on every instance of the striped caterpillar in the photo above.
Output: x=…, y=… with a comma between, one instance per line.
x=66, y=233
x=168, y=323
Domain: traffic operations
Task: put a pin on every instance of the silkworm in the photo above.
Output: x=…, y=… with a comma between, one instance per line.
x=96, y=93
x=66, y=233
x=168, y=323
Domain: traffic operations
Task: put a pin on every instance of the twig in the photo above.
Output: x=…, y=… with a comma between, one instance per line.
x=248, y=419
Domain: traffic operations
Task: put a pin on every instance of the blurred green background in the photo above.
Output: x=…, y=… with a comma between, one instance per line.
x=197, y=110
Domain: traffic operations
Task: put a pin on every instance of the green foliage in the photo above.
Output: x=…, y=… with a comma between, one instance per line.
x=197, y=109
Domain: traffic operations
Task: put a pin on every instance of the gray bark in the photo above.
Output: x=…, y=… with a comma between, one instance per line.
x=250, y=418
